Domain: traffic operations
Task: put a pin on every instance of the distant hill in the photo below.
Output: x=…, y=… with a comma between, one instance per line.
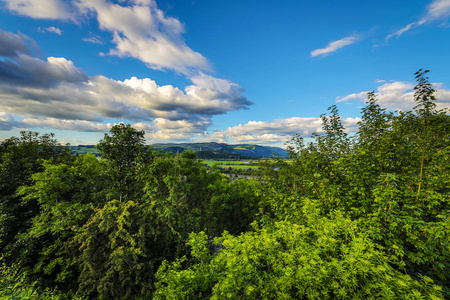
x=204, y=150
x=239, y=149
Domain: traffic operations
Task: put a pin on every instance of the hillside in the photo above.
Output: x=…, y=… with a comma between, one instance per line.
x=237, y=151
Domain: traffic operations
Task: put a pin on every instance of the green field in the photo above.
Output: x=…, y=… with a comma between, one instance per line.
x=233, y=164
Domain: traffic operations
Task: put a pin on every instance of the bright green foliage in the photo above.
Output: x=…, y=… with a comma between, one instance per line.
x=392, y=177
x=323, y=258
x=122, y=146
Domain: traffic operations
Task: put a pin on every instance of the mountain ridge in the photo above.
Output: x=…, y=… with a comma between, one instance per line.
x=249, y=150
x=240, y=149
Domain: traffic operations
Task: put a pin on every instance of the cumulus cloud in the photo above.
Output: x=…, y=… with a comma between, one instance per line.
x=101, y=97
x=179, y=130
x=51, y=29
x=400, y=96
x=145, y=33
x=39, y=9
x=55, y=93
x=334, y=46
x=139, y=30
x=436, y=10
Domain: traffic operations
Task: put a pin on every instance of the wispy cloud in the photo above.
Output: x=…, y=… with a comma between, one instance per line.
x=436, y=10
x=41, y=9
x=51, y=29
x=93, y=39
x=334, y=46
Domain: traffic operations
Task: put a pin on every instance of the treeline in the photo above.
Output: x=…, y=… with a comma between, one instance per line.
x=350, y=217
x=219, y=155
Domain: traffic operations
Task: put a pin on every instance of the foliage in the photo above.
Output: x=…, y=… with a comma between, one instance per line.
x=67, y=196
x=323, y=258
x=189, y=198
x=123, y=147
x=348, y=216
x=19, y=159
x=119, y=251
x=392, y=177
x=123, y=244
x=13, y=285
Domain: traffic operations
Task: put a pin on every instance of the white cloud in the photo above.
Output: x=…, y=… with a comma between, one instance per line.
x=402, y=30
x=277, y=132
x=100, y=97
x=41, y=9
x=55, y=88
x=56, y=94
x=179, y=130
x=400, y=96
x=145, y=33
x=51, y=29
x=436, y=10
x=139, y=30
x=148, y=128
x=334, y=46
x=25, y=70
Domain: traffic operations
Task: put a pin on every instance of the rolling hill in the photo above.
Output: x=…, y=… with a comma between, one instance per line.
x=230, y=151
x=239, y=149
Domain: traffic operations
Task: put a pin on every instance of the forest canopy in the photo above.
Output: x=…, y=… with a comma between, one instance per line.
x=350, y=216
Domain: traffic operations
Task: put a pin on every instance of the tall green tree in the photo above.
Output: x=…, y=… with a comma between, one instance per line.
x=20, y=157
x=123, y=147
x=67, y=195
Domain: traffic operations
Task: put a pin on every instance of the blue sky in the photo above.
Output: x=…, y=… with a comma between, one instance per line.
x=204, y=70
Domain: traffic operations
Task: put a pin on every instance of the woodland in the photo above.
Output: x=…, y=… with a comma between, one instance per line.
x=350, y=216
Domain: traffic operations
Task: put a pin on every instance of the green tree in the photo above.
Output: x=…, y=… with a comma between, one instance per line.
x=19, y=159
x=67, y=195
x=123, y=147
x=121, y=247
x=393, y=179
x=190, y=198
